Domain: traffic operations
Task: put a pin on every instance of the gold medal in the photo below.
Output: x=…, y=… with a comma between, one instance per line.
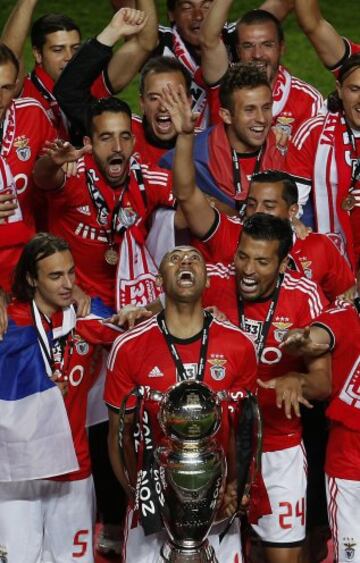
x=111, y=256
x=348, y=203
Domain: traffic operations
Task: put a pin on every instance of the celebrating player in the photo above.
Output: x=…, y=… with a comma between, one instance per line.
x=147, y=357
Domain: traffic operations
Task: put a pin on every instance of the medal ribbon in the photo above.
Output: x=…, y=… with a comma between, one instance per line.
x=355, y=160
x=265, y=327
x=49, y=97
x=181, y=372
x=240, y=195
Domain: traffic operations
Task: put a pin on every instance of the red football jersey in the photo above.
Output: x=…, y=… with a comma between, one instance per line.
x=343, y=449
x=148, y=152
x=41, y=87
x=81, y=372
x=72, y=215
x=26, y=129
x=142, y=357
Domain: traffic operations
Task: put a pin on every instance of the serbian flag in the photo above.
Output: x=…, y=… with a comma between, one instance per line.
x=35, y=435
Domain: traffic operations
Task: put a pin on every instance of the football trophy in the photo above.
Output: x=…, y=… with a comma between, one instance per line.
x=189, y=466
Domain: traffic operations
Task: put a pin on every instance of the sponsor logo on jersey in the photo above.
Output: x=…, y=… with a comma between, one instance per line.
x=285, y=124
x=218, y=369
x=306, y=266
x=155, y=372
x=84, y=210
x=349, y=548
x=282, y=326
x=23, y=149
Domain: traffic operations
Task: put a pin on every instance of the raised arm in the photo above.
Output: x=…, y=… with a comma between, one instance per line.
x=214, y=56
x=279, y=8
x=198, y=212
x=137, y=49
x=17, y=28
x=326, y=41
x=48, y=173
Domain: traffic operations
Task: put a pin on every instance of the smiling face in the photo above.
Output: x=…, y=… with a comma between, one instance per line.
x=259, y=42
x=249, y=120
x=268, y=198
x=349, y=93
x=54, y=282
x=188, y=16
x=157, y=116
x=257, y=267
x=112, y=145
x=57, y=51
x=183, y=274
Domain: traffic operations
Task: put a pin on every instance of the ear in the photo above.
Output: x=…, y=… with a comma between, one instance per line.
x=171, y=17
x=141, y=104
x=293, y=211
x=338, y=89
x=282, y=48
x=283, y=265
x=37, y=55
x=207, y=284
x=31, y=281
x=225, y=116
x=87, y=141
x=159, y=281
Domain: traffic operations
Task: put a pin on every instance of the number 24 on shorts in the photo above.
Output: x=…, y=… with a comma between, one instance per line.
x=288, y=513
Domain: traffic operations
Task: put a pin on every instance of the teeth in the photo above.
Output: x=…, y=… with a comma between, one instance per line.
x=258, y=129
x=163, y=118
x=249, y=282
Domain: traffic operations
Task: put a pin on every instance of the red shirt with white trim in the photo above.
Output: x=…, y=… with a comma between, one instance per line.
x=73, y=216
x=351, y=48
x=26, y=129
x=300, y=302
x=142, y=357
x=343, y=449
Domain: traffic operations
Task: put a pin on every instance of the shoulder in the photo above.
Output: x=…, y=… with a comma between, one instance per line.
x=127, y=343
x=305, y=88
x=154, y=175
x=300, y=290
x=310, y=127
x=232, y=334
x=30, y=105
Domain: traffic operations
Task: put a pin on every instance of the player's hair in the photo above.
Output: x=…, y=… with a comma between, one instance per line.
x=290, y=191
x=262, y=226
x=253, y=17
x=351, y=64
x=170, y=5
x=239, y=76
x=102, y=105
x=7, y=56
x=38, y=248
x=158, y=65
x=50, y=23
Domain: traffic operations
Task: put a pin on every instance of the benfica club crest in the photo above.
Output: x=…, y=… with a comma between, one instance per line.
x=306, y=266
x=349, y=548
x=23, y=149
x=282, y=326
x=285, y=124
x=218, y=369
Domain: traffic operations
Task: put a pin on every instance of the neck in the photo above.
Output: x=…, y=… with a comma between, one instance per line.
x=45, y=308
x=236, y=144
x=184, y=320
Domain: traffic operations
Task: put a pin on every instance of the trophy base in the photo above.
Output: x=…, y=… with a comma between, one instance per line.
x=171, y=553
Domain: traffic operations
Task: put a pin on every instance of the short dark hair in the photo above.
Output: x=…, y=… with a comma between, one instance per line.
x=50, y=23
x=262, y=226
x=38, y=248
x=102, y=105
x=253, y=17
x=170, y=5
x=8, y=56
x=238, y=76
x=158, y=65
x=290, y=192
x=351, y=64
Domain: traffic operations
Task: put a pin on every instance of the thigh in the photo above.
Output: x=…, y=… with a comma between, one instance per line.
x=69, y=522
x=284, y=474
x=137, y=546
x=21, y=521
x=343, y=498
x=229, y=550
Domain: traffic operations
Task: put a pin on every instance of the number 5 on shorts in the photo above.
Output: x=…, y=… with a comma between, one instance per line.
x=80, y=542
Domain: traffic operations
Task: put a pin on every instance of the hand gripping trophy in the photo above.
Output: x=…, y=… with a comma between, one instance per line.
x=181, y=481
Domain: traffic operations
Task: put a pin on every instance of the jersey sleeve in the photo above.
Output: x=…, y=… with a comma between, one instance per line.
x=101, y=87
x=44, y=128
x=248, y=366
x=351, y=48
x=338, y=276
x=220, y=242
x=119, y=382
x=158, y=187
